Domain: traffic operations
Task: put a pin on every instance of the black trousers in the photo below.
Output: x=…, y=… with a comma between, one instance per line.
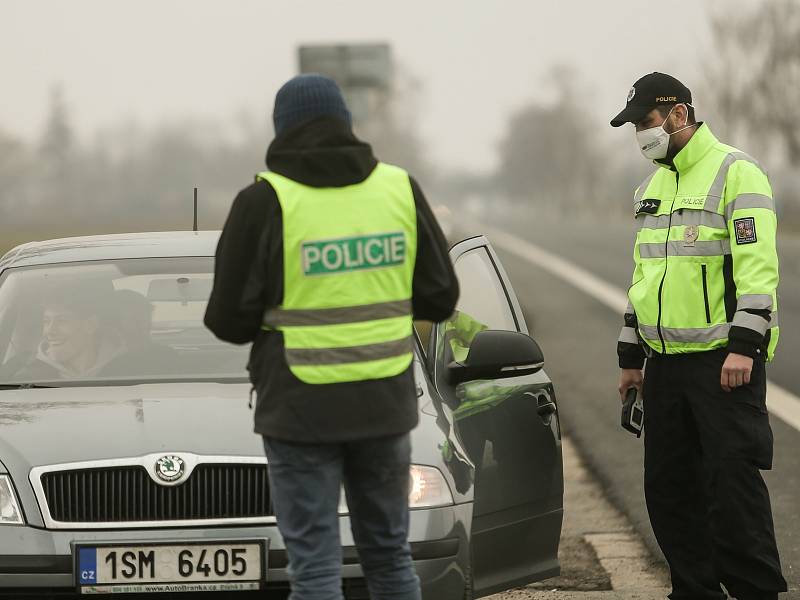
x=708, y=504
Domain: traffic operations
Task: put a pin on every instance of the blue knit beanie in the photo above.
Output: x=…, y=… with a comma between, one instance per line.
x=307, y=97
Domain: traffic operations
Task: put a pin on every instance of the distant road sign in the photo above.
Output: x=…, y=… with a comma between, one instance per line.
x=351, y=65
x=363, y=71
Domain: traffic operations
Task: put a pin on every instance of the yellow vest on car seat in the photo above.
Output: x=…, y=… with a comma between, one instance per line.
x=348, y=259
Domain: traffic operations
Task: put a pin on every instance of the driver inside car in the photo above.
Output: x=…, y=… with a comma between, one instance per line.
x=74, y=340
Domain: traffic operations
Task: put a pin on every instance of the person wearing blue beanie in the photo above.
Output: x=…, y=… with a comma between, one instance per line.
x=307, y=97
x=350, y=429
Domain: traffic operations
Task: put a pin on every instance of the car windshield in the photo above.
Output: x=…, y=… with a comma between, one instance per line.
x=131, y=321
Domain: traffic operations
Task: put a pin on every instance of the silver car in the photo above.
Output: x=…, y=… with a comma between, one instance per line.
x=128, y=462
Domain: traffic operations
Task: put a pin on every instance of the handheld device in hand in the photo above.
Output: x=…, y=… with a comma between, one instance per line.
x=633, y=412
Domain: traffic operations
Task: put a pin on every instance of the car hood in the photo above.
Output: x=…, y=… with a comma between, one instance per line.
x=60, y=425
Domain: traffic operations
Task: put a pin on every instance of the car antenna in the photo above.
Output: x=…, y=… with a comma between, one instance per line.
x=195, y=210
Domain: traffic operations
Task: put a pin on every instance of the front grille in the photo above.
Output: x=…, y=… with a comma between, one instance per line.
x=127, y=493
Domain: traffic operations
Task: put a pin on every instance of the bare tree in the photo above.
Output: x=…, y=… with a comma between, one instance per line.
x=126, y=178
x=15, y=167
x=547, y=156
x=57, y=141
x=754, y=78
x=390, y=126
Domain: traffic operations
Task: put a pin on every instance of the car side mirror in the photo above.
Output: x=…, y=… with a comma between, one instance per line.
x=495, y=355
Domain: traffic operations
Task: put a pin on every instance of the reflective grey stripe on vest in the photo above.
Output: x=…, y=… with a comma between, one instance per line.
x=749, y=201
x=352, y=354
x=687, y=217
x=699, y=335
x=702, y=335
x=678, y=248
x=278, y=317
x=756, y=301
x=755, y=323
x=628, y=336
x=718, y=186
x=745, y=319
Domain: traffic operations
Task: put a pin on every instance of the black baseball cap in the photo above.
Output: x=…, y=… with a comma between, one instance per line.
x=648, y=92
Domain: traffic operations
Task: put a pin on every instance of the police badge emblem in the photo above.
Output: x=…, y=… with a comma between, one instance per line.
x=690, y=235
x=745, y=230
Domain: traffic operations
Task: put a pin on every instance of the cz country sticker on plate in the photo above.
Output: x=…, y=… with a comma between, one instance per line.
x=170, y=567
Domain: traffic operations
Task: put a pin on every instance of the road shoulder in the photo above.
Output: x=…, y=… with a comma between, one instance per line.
x=602, y=556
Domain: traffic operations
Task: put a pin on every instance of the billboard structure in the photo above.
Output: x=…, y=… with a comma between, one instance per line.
x=365, y=73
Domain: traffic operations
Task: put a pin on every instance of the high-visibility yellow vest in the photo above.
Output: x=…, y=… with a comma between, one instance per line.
x=459, y=331
x=348, y=259
x=705, y=251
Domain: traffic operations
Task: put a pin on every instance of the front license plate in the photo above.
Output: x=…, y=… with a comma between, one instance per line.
x=170, y=567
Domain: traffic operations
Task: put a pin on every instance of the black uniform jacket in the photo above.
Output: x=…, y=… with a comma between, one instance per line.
x=249, y=279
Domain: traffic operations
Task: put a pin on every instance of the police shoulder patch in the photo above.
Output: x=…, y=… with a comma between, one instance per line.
x=648, y=206
x=745, y=229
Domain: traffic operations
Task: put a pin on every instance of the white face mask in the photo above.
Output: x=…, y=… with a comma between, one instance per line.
x=654, y=142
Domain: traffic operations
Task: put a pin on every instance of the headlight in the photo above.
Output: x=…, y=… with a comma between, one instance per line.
x=10, y=514
x=428, y=489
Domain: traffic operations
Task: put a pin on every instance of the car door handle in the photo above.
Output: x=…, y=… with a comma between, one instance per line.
x=546, y=409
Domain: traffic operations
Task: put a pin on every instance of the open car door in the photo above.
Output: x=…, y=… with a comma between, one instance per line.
x=507, y=422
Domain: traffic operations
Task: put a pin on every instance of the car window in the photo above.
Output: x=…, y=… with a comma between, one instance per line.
x=482, y=294
x=424, y=330
x=134, y=320
x=482, y=304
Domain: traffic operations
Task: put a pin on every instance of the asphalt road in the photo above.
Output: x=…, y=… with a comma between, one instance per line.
x=578, y=335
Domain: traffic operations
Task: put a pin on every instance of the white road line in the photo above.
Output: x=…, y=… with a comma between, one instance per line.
x=610, y=295
x=782, y=403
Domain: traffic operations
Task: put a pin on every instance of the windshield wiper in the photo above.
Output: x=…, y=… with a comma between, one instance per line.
x=23, y=386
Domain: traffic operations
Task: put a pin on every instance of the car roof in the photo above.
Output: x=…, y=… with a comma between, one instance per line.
x=114, y=246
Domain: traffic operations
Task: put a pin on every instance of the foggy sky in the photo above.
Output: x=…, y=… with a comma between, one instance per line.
x=477, y=60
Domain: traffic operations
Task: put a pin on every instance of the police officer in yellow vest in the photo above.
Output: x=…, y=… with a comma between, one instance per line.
x=703, y=314
x=322, y=264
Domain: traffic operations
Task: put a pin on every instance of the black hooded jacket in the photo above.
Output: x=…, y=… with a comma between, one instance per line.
x=249, y=279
